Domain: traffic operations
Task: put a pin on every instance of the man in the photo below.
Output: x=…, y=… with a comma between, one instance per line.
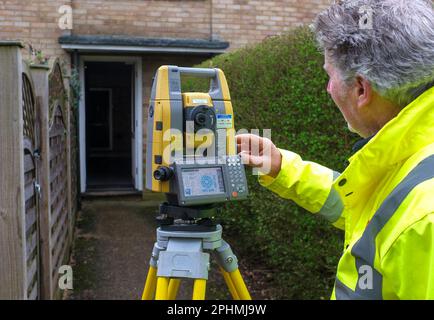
x=380, y=59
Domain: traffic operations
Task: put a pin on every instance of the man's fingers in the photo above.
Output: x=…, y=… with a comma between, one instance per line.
x=243, y=136
x=251, y=160
x=243, y=142
x=248, y=137
x=243, y=148
x=249, y=143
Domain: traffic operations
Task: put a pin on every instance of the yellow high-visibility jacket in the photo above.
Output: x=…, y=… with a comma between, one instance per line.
x=384, y=200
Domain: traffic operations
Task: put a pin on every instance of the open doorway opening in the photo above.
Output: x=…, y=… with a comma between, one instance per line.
x=109, y=114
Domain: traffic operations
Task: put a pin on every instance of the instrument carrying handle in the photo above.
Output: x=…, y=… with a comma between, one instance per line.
x=198, y=72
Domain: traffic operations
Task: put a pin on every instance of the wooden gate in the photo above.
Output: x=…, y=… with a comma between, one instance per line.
x=31, y=186
x=36, y=188
x=60, y=217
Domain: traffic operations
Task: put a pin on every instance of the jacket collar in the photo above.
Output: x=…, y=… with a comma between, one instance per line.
x=411, y=130
x=360, y=144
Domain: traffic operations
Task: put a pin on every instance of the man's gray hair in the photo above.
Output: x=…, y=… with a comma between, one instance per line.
x=390, y=43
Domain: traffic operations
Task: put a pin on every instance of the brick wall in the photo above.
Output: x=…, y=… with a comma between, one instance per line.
x=238, y=21
x=181, y=19
x=244, y=22
x=33, y=22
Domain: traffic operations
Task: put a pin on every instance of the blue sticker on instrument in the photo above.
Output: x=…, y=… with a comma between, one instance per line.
x=224, y=121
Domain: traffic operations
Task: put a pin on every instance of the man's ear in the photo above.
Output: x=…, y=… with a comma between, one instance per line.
x=364, y=92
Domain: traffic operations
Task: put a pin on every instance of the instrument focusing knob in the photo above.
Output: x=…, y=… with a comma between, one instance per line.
x=163, y=174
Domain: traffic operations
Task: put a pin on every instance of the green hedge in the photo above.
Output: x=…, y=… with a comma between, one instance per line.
x=279, y=84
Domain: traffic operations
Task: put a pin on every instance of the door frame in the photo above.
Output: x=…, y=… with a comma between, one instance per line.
x=138, y=137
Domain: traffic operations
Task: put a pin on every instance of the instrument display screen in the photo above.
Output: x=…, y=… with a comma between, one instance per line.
x=202, y=181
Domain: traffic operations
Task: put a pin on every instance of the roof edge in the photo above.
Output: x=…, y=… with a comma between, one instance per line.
x=129, y=41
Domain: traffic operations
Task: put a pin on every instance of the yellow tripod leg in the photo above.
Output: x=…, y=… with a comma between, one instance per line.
x=239, y=284
x=150, y=284
x=199, y=289
x=162, y=288
x=173, y=288
x=230, y=284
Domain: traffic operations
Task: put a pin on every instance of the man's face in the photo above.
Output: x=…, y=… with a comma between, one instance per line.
x=342, y=95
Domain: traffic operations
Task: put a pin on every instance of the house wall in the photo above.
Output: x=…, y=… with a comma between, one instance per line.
x=240, y=22
x=34, y=23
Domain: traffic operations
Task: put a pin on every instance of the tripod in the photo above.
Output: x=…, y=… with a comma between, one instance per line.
x=179, y=254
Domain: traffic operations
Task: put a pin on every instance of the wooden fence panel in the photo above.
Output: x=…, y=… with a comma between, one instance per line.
x=40, y=81
x=38, y=198
x=12, y=224
x=31, y=186
x=60, y=185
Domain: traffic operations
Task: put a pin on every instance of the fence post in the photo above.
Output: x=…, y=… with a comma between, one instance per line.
x=12, y=203
x=40, y=79
x=68, y=165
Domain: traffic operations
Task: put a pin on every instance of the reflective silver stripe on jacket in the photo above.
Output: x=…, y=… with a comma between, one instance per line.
x=364, y=249
x=333, y=206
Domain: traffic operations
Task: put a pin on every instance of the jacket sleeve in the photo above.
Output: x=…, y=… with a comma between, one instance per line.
x=308, y=184
x=408, y=266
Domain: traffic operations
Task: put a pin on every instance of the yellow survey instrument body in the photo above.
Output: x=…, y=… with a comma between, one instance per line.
x=187, y=124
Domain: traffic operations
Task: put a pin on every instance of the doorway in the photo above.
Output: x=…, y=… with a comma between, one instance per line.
x=108, y=118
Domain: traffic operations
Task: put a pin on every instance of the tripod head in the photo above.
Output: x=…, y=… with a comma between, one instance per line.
x=191, y=153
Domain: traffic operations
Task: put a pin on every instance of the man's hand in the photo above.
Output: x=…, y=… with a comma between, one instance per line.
x=258, y=152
